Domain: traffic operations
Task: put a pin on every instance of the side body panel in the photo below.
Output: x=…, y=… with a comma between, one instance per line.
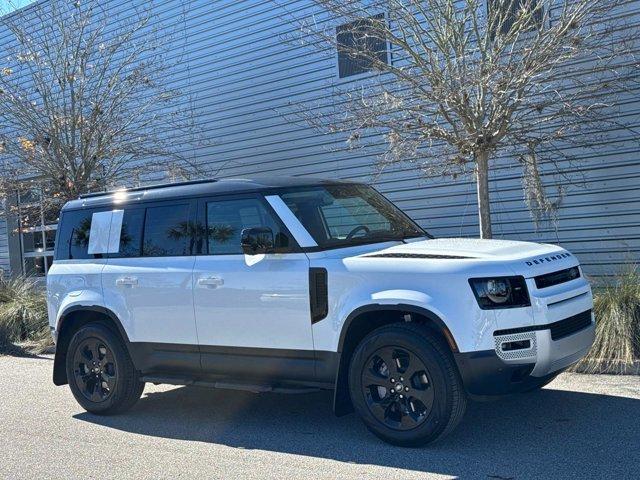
x=254, y=322
x=71, y=284
x=152, y=297
x=438, y=286
x=255, y=301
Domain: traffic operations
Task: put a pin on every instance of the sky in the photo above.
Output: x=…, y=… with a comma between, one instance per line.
x=7, y=6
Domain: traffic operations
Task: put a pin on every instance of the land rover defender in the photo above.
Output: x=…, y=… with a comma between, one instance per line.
x=292, y=284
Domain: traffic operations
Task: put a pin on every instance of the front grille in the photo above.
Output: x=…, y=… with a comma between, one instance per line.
x=570, y=325
x=559, y=329
x=556, y=278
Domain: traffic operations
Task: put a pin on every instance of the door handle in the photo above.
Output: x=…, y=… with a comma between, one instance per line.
x=212, y=282
x=126, y=281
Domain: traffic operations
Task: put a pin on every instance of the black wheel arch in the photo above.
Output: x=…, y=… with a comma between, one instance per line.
x=72, y=319
x=364, y=320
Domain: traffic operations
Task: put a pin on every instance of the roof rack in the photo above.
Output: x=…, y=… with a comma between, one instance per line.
x=148, y=187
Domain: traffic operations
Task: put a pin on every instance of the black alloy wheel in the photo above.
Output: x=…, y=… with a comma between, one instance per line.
x=94, y=369
x=101, y=375
x=405, y=386
x=397, y=388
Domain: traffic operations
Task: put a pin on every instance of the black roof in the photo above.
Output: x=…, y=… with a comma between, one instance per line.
x=195, y=188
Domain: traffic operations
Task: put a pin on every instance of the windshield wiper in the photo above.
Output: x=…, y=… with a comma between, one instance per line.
x=383, y=236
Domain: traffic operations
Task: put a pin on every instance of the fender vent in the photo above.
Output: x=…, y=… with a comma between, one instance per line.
x=318, y=294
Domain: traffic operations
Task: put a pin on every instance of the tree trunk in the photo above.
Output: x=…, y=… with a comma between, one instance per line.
x=482, y=181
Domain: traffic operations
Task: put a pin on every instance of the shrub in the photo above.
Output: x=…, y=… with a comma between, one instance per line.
x=23, y=314
x=617, y=311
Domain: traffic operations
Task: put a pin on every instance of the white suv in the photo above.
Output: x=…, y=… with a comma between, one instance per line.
x=286, y=285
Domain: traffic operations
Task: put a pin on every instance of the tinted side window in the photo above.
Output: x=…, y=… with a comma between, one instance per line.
x=167, y=231
x=131, y=233
x=73, y=238
x=227, y=218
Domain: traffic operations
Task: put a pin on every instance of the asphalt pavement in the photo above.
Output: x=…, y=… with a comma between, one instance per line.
x=579, y=426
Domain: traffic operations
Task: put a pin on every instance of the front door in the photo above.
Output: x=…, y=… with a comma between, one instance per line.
x=252, y=311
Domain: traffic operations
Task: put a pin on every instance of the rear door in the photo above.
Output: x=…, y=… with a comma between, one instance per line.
x=252, y=311
x=148, y=284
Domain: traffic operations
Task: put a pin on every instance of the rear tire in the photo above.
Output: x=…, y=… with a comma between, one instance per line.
x=407, y=358
x=101, y=374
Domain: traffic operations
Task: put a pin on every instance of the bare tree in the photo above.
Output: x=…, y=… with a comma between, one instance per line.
x=85, y=102
x=467, y=85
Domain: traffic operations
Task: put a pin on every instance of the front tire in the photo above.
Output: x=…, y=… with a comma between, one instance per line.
x=405, y=386
x=101, y=374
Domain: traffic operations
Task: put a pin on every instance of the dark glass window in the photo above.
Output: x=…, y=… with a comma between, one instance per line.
x=167, y=231
x=346, y=215
x=73, y=238
x=506, y=11
x=227, y=218
x=131, y=233
x=360, y=46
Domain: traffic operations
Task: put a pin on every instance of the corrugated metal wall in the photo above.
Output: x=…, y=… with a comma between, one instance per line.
x=245, y=74
x=4, y=247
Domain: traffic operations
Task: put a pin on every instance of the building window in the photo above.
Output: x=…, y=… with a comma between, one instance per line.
x=507, y=12
x=37, y=230
x=360, y=46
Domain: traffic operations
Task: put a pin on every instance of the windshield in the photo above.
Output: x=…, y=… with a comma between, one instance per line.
x=345, y=215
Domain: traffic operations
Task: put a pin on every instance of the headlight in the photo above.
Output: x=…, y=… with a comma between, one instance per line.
x=500, y=292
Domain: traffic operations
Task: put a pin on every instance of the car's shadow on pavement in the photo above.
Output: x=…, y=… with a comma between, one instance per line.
x=546, y=434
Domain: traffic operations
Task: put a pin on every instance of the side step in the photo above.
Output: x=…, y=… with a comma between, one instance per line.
x=227, y=385
x=156, y=380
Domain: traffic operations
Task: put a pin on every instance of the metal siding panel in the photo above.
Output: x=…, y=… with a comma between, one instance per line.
x=243, y=74
x=4, y=245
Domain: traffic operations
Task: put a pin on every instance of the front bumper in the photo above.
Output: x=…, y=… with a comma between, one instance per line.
x=494, y=372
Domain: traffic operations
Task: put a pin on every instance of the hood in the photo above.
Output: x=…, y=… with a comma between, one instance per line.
x=528, y=259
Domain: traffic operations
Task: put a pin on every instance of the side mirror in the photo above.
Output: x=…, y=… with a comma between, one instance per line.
x=256, y=240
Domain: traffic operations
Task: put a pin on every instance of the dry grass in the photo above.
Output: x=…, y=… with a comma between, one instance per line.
x=617, y=312
x=23, y=316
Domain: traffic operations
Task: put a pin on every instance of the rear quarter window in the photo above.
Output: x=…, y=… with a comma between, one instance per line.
x=73, y=236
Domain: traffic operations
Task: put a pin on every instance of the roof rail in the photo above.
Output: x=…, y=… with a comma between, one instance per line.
x=148, y=187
